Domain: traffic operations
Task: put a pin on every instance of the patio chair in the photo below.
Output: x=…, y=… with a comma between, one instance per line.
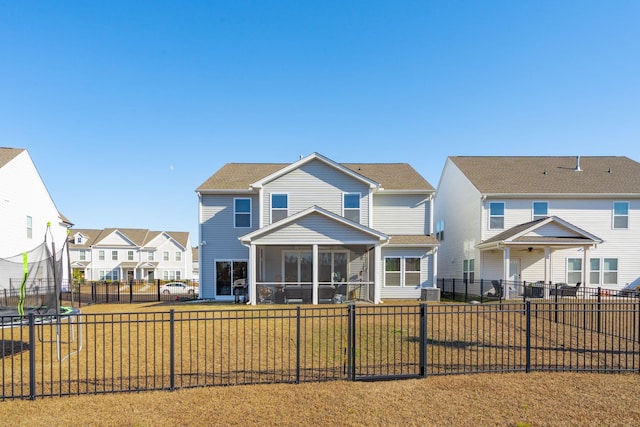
x=497, y=288
x=566, y=290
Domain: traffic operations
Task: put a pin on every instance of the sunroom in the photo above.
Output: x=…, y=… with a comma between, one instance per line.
x=313, y=257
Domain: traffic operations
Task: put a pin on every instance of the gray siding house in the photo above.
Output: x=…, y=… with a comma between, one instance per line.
x=550, y=219
x=316, y=231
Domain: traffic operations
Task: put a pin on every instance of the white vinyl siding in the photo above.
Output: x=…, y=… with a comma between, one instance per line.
x=401, y=213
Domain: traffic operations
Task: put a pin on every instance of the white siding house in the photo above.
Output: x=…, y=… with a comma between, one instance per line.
x=127, y=254
x=316, y=231
x=551, y=219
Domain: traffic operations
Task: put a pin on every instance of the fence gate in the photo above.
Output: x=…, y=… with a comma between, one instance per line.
x=386, y=342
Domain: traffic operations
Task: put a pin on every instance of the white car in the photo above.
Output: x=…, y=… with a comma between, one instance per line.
x=177, y=288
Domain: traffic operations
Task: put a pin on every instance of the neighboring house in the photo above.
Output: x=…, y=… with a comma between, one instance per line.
x=129, y=254
x=26, y=207
x=195, y=263
x=316, y=231
x=551, y=219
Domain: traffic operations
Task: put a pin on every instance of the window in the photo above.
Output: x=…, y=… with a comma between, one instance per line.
x=130, y=255
x=440, y=230
x=165, y=255
x=228, y=272
x=101, y=255
x=351, y=206
x=298, y=267
x=150, y=255
x=574, y=270
x=594, y=271
x=468, y=270
x=83, y=255
x=29, y=227
x=279, y=207
x=401, y=271
x=333, y=267
x=496, y=215
x=620, y=214
x=178, y=256
x=610, y=273
x=172, y=275
x=540, y=210
x=114, y=255
x=108, y=275
x=242, y=213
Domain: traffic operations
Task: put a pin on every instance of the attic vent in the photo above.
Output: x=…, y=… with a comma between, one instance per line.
x=578, y=164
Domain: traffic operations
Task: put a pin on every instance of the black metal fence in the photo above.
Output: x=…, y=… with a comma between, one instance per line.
x=106, y=353
x=483, y=290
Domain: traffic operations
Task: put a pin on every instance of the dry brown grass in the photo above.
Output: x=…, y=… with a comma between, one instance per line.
x=500, y=399
x=536, y=399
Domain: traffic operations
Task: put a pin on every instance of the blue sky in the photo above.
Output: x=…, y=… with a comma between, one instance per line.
x=127, y=107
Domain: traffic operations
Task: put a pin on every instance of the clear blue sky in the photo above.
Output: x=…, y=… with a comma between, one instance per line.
x=127, y=106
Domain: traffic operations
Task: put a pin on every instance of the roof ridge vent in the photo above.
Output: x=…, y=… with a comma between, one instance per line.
x=578, y=164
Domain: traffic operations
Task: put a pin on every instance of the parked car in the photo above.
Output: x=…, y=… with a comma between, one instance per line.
x=177, y=288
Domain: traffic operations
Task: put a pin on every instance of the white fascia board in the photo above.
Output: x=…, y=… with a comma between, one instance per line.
x=242, y=192
x=307, y=159
x=559, y=195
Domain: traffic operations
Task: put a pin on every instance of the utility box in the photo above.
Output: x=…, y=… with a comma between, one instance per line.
x=430, y=294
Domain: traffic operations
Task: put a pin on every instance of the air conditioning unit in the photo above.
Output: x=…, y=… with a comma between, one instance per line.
x=430, y=294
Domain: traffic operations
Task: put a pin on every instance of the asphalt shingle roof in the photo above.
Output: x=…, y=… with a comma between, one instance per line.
x=8, y=154
x=551, y=175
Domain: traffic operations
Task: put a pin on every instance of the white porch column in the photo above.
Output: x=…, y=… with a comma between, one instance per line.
x=377, y=265
x=505, y=272
x=586, y=269
x=253, y=294
x=547, y=269
x=435, y=268
x=314, y=273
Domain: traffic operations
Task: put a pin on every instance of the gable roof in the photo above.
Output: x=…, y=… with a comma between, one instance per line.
x=551, y=175
x=8, y=154
x=307, y=212
x=519, y=234
x=138, y=236
x=390, y=176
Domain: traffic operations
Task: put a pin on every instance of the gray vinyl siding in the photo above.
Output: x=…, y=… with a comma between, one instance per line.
x=315, y=228
x=401, y=213
x=217, y=220
x=316, y=183
x=426, y=272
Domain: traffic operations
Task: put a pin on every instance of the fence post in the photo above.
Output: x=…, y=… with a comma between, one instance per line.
x=599, y=318
x=481, y=291
x=118, y=289
x=423, y=339
x=172, y=348
x=130, y=292
x=466, y=289
x=351, y=338
x=32, y=356
x=298, y=345
x=555, y=299
x=527, y=305
x=158, y=288
x=453, y=289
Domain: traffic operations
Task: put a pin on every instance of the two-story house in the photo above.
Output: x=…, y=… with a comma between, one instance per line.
x=552, y=219
x=316, y=231
x=130, y=254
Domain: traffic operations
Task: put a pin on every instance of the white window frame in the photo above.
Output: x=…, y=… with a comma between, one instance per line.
x=285, y=210
x=358, y=209
x=606, y=271
x=615, y=216
x=178, y=256
x=114, y=255
x=172, y=275
x=597, y=271
x=403, y=271
x=535, y=216
x=130, y=255
x=29, y=227
x=468, y=270
x=504, y=209
x=150, y=255
x=571, y=281
x=165, y=255
x=101, y=255
x=232, y=269
x=83, y=255
x=236, y=213
x=440, y=230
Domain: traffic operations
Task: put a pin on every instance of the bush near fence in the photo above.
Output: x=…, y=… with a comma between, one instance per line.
x=107, y=353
